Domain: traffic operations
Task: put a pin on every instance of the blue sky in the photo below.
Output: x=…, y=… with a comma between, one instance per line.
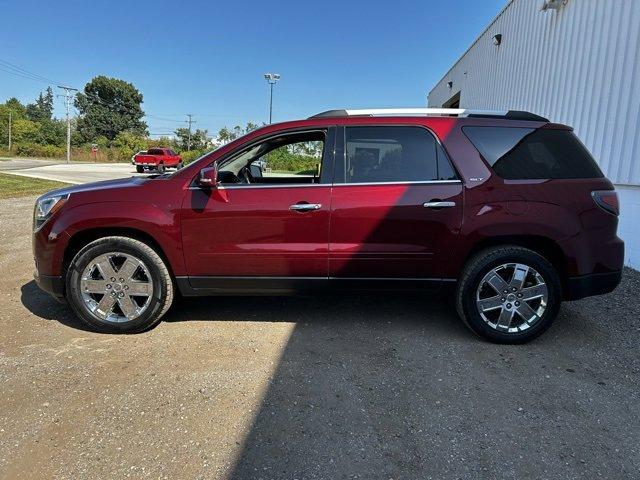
x=208, y=58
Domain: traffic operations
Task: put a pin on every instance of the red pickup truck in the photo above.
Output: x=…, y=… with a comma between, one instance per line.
x=157, y=159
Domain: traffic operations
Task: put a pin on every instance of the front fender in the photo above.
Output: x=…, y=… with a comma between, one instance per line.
x=147, y=218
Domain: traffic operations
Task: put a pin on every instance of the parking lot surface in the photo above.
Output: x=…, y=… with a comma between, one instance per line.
x=74, y=172
x=363, y=386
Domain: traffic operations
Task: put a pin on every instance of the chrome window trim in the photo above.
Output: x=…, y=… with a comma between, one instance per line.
x=408, y=182
x=302, y=185
x=293, y=185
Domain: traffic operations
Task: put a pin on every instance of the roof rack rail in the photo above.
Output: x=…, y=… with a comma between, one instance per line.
x=433, y=112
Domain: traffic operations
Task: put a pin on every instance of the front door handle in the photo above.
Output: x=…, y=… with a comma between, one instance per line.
x=438, y=204
x=305, y=207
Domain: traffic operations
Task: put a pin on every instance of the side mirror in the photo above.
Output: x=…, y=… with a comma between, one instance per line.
x=256, y=170
x=208, y=177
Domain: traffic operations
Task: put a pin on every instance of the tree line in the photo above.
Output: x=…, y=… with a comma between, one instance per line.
x=110, y=117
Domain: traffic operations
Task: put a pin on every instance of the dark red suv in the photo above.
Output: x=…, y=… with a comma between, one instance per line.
x=506, y=207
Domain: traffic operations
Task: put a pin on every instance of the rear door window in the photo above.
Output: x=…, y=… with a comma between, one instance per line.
x=393, y=154
x=527, y=153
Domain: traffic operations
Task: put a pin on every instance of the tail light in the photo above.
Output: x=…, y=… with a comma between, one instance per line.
x=607, y=200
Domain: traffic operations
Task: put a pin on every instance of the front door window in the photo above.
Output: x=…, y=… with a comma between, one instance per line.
x=289, y=159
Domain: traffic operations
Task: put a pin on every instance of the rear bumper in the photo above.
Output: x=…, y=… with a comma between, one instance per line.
x=592, y=284
x=53, y=285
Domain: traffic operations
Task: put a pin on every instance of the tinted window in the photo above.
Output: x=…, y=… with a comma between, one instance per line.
x=392, y=154
x=155, y=151
x=445, y=170
x=526, y=153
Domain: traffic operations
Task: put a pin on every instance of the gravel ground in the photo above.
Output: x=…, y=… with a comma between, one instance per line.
x=372, y=386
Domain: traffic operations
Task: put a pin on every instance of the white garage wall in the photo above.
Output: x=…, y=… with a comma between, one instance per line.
x=579, y=65
x=629, y=226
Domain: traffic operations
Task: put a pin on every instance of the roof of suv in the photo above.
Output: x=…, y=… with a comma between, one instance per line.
x=433, y=112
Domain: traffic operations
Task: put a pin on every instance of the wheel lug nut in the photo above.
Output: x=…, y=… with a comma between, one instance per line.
x=506, y=291
x=126, y=287
x=121, y=294
x=519, y=295
x=513, y=289
x=113, y=294
x=121, y=280
x=502, y=299
x=113, y=279
x=508, y=305
x=517, y=304
x=108, y=286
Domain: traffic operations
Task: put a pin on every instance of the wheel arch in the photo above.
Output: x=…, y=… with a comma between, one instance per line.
x=82, y=238
x=543, y=246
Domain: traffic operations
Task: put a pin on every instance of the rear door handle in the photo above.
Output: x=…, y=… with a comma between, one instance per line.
x=305, y=207
x=439, y=204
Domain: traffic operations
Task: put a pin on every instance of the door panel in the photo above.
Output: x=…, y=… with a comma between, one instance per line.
x=251, y=231
x=384, y=231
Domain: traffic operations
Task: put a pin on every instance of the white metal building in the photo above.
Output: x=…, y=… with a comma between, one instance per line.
x=572, y=61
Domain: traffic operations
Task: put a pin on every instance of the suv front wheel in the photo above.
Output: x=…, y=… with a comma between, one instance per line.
x=508, y=294
x=119, y=285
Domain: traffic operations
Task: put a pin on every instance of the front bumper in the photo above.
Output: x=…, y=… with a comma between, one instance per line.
x=53, y=285
x=592, y=284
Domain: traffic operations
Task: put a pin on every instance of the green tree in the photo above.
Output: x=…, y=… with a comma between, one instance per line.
x=52, y=132
x=23, y=130
x=109, y=106
x=128, y=144
x=17, y=108
x=42, y=109
x=226, y=135
x=199, y=139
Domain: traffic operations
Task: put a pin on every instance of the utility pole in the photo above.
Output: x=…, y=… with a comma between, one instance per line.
x=67, y=97
x=272, y=78
x=9, y=131
x=190, y=121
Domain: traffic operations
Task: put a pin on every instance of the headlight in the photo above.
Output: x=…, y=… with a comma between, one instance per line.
x=45, y=207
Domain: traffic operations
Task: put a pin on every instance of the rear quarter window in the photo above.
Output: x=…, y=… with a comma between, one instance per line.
x=527, y=153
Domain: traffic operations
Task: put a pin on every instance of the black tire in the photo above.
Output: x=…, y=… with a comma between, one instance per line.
x=479, y=266
x=160, y=168
x=179, y=166
x=139, y=168
x=160, y=278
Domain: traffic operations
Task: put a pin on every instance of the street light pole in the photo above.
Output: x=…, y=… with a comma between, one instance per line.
x=272, y=78
x=271, y=103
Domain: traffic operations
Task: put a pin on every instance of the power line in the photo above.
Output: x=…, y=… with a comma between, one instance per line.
x=163, y=119
x=18, y=71
x=24, y=76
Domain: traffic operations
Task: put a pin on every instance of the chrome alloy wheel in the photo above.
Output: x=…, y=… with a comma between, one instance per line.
x=512, y=297
x=116, y=287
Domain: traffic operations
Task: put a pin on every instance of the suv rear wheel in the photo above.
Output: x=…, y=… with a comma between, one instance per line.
x=119, y=285
x=508, y=294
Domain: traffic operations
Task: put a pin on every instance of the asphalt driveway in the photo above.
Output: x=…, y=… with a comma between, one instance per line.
x=74, y=172
x=368, y=386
